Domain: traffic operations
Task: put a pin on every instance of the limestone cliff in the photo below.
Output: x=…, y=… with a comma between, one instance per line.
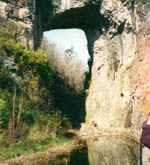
x=119, y=89
x=27, y=17
x=110, y=102
x=118, y=38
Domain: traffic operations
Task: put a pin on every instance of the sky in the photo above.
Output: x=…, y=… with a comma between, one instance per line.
x=67, y=38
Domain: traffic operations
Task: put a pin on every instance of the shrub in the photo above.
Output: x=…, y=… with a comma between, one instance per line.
x=26, y=93
x=26, y=83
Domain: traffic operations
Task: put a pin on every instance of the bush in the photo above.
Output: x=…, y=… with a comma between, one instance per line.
x=26, y=83
x=26, y=93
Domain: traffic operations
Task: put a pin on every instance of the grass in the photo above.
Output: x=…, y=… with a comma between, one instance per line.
x=58, y=152
x=29, y=147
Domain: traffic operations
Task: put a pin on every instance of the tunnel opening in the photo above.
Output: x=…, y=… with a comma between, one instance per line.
x=69, y=100
x=68, y=55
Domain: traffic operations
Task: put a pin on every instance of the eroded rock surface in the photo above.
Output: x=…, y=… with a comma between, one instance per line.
x=112, y=151
x=20, y=17
x=116, y=95
x=28, y=19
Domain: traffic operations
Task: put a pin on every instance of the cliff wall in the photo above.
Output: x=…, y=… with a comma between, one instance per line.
x=119, y=89
x=28, y=17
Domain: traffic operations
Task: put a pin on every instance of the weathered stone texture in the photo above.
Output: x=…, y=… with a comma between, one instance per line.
x=109, y=93
x=22, y=18
x=111, y=150
x=120, y=71
x=29, y=17
x=141, y=69
x=63, y=5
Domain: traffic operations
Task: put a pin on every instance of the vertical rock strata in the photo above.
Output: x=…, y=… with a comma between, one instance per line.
x=119, y=89
x=141, y=67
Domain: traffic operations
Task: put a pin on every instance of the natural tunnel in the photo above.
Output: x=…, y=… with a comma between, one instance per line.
x=69, y=34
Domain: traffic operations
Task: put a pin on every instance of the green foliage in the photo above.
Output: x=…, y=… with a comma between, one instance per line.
x=28, y=120
x=50, y=125
x=4, y=108
x=55, y=5
x=32, y=68
x=29, y=147
x=26, y=92
x=4, y=114
x=27, y=60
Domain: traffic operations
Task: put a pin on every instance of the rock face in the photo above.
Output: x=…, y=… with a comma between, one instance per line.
x=110, y=91
x=112, y=150
x=119, y=89
x=27, y=19
x=20, y=16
